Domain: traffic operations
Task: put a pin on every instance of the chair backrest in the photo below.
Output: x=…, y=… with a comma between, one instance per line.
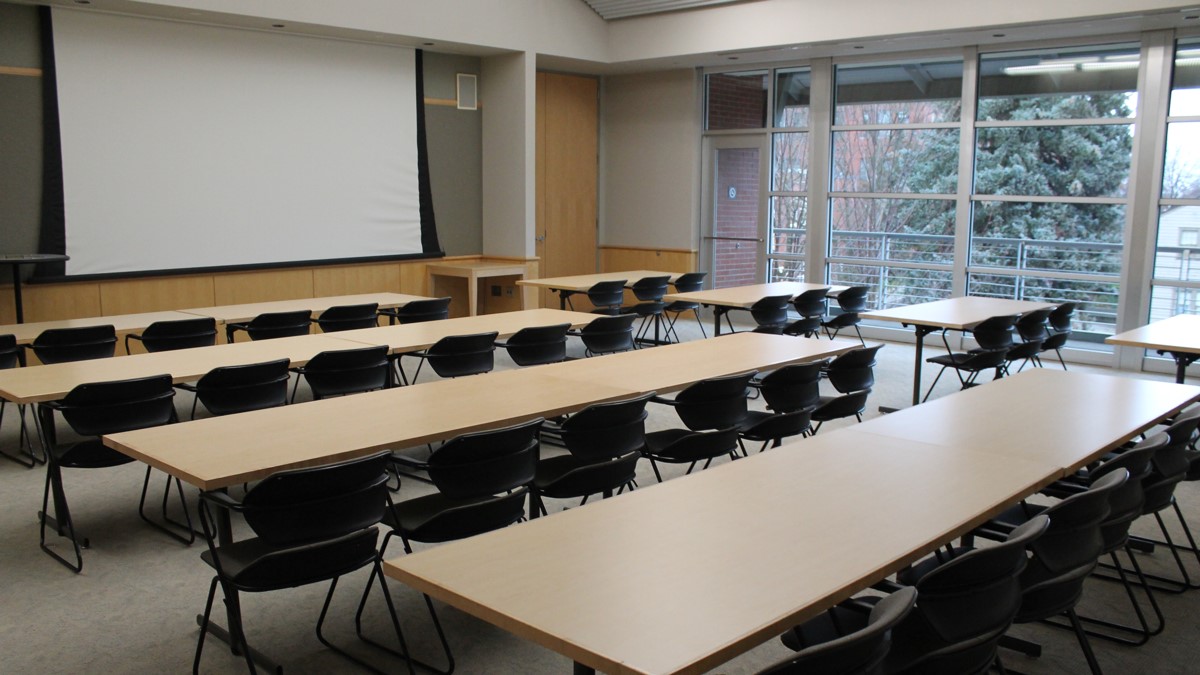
x=252, y=386
x=486, y=463
x=854, y=370
x=279, y=324
x=10, y=353
x=536, y=345
x=859, y=653
x=607, y=294
x=811, y=304
x=606, y=430
x=417, y=311
x=458, y=355
x=1032, y=325
x=349, y=317
x=1170, y=464
x=162, y=336
x=99, y=408
x=771, y=312
x=970, y=601
x=63, y=345
x=1060, y=317
x=853, y=299
x=318, y=503
x=702, y=445
x=1125, y=503
x=716, y=403
x=650, y=289
x=794, y=387
x=995, y=332
x=608, y=334
x=347, y=371
x=690, y=282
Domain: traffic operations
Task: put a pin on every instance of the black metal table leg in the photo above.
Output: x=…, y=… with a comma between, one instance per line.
x=1182, y=361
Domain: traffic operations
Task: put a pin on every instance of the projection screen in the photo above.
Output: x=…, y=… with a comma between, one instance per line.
x=189, y=146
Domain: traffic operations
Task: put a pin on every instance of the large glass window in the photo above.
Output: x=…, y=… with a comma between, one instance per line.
x=894, y=175
x=1054, y=143
x=788, y=240
x=736, y=101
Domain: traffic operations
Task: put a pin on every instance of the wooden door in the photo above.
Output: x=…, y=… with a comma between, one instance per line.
x=567, y=159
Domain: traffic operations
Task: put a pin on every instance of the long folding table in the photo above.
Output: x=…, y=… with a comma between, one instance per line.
x=1178, y=336
x=246, y=311
x=580, y=283
x=723, y=300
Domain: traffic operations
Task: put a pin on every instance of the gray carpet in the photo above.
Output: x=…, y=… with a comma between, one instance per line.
x=133, y=608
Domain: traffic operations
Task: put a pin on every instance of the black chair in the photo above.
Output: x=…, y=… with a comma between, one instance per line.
x=482, y=480
x=1060, y=330
x=685, y=283
x=93, y=410
x=233, y=389
x=791, y=394
x=649, y=292
x=994, y=337
x=811, y=306
x=852, y=375
x=272, y=325
x=162, y=336
x=537, y=345
x=604, y=441
x=10, y=357
x=861, y=652
x=717, y=404
x=417, y=311
x=454, y=356
x=63, y=345
x=850, y=302
x=310, y=525
x=345, y=371
x=689, y=447
x=607, y=335
x=606, y=296
x=964, y=606
x=349, y=317
x=770, y=314
x=1033, y=330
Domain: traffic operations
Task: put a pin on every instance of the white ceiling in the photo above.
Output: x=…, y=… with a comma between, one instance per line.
x=619, y=9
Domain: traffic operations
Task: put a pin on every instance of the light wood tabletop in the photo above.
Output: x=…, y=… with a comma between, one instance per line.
x=409, y=337
x=50, y=382
x=581, y=282
x=961, y=313
x=742, y=297
x=471, y=272
x=681, y=577
x=1178, y=336
x=122, y=323
x=244, y=312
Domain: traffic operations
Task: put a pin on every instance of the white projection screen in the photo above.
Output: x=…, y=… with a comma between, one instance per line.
x=189, y=146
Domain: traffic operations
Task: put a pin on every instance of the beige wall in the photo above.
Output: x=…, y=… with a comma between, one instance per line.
x=650, y=164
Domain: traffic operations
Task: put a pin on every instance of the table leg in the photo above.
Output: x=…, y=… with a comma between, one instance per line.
x=472, y=296
x=921, y=332
x=16, y=271
x=562, y=298
x=581, y=669
x=718, y=312
x=1182, y=361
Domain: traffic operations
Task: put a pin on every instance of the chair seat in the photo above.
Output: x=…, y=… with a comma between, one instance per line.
x=251, y=565
x=569, y=476
x=418, y=518
x=89, y=454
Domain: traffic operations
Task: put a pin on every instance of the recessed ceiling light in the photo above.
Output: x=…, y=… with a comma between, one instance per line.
x=733, y=58
x=1191, y=17
x=858, y=46
x=83, y=2
x=277, y=25
x=997, y=34
x=427, y=44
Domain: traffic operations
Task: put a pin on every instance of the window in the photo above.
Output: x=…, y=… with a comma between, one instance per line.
x=788, y=241
x=736, y=101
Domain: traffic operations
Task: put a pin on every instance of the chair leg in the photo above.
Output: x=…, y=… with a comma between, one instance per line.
x=1083, y=642
x=375, y=572
x=61, y=521
x=934, y=384
x=1167, y=584
x=235, y=636
x=1116, y=632
x=186, y=527
x=654, y=465
x=700, y=322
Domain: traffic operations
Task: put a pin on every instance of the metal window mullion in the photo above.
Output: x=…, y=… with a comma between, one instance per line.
x=1183, y=118
x=1175, y=283
x=1051, y=199
x=1083, y=122
x=911, y=126
x=966, y=172
x=1175, y=201
x=820, y=168
x=1044, y=274
x=891, y=195
x=875, y=262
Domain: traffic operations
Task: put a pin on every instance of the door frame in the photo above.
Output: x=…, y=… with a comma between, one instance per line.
x=709, y=195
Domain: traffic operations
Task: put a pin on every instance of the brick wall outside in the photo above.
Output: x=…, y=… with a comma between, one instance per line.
x=737, y=101
x=734, y=261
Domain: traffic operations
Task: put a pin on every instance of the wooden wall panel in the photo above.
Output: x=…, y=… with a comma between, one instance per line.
x=617, y=258
x=50, y=302
x=354, y=279
x=131, y=296
x=412, y=279
x=241, y=287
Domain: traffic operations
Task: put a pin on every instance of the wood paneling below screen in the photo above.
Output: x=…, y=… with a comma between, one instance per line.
x=617, y=258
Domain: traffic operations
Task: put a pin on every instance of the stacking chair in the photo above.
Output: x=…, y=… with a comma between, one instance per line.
x=482, y=480
x=63, y=345
x=345, y=371
x=994, y=337
x=862, y=652
x=606, y=296
x=162, y=336
x=349, y=317
x=310, y=525
x=685, y=283
x=417, y=311
x=852, y=375
x=1060, y=330
x=850, y=301
x=537, y=345
x=717, y=404
x=10, y=357
x=1033, y=331
x=607, y=335
x=791, y=394
x=93, y=410
x=963, y=608
x=272, y=325
x=649, y=292
x=233, y=389
x=454, y=356
x=604, y=442
x=811, y=306
x=770, y=314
